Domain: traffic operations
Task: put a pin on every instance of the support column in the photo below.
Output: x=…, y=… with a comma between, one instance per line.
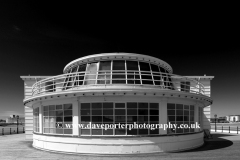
x=40, y=118
x=196, y=117
x=163, y=115
x=75, y=118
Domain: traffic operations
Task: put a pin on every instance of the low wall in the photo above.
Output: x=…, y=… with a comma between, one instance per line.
x=115, y=145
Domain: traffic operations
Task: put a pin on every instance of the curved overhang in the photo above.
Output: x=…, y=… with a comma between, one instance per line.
x=102, y=91
x=124, y=56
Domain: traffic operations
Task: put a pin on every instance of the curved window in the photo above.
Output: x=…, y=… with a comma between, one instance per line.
x=118, y=72
x=57, y=119
x=36, y=119
x=123, y=115
x=183, y=115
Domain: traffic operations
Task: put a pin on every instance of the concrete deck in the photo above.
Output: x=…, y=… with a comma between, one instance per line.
x=222, y=146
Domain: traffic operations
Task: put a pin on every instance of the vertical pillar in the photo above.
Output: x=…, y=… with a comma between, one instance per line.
x=75, y=118
x=40, y=118
x=163, y=114
x=196, y=117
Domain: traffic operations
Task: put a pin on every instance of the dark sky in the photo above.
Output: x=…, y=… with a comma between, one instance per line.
x=41, y=38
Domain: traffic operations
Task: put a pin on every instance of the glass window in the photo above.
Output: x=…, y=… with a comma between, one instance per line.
x=57, y=119
x=104, y=74
x=133, y=72
x=36, y=119
x=80, y=76
x=91, y=73
x=181, y=115
x=118, y=73
x=145, y=73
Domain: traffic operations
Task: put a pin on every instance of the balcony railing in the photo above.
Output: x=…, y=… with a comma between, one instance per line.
x=70, y=81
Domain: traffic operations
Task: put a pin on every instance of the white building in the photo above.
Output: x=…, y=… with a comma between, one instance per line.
x=233, y=118
x=116, y=88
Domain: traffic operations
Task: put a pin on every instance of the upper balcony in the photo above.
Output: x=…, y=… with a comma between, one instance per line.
x=118, y=72
x=118, y=79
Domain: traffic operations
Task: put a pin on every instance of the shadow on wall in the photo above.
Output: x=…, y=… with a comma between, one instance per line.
x=216, y=143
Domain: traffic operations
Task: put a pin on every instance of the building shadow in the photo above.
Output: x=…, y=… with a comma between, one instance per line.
x=215, y=143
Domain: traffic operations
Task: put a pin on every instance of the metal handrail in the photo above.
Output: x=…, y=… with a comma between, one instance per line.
x=77, y=79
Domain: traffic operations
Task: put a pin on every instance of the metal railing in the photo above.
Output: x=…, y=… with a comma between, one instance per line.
x=11, y=130
x=130, y=78
x=229, y=129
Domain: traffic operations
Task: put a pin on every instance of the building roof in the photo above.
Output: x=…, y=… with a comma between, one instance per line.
x=120, y=55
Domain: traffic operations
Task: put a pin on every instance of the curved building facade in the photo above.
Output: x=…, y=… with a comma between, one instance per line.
x=117, y=103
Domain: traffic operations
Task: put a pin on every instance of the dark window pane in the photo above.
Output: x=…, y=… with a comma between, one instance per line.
x=59, y=119
x=67, y=131
x=51, y=107
x=96, y=105
x=179, y=118
x=132, y=112
x=132, y=118
x=186, y=118
x=119, y=111
x=107, y=105
x=143, y=105
x=85, y=105
x=171, y=118
x=170, y=106
x=52, y=113
x=59, y=113
x=82, y=68
x=120, y=118
x=85, y=112
x=179, y=112
x=59, y=131
x=67, y=119
x=192, y=108
x=154, y=118
x=143, y=112
x=156, y=131
x=45, y=108
x=142, y=118
x=96, y=118
x=154, y=68
x=107, y=111
x=107, y=118
x=67, y=112
x=108, y=132
x=131, y=105
x=144, y=66
x=96, y=112
x=119, y=65
x=58, y=107
x=85, y=118
x=120, y=131
x=192, y=113
x=143, y=131
x=97, y=132
x=186, y=112
x=154, y=105
x=105, y=65
x=119, y=105
x=186, y=107
x=171, y=112
x=85, y=131
x=179, y=106
x=67, y=106
x=154, y=112
x=132, y=132
x=132, y=65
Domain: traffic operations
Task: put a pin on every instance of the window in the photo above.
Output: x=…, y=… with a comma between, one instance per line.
x=181, y=115
x=91, y=73
x=156, y=75
x=185, y=86
x=104, y=74
x=36, y=119
x=133, y=72
x=118, y=73
x=119, y=113
x=80, y=76
x=57, y=119
x=145, y=73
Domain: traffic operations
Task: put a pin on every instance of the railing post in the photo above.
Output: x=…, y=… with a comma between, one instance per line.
x=222, y=128
x=23, y=130
x=10, y=130
x=229, y=129
x=2, y=131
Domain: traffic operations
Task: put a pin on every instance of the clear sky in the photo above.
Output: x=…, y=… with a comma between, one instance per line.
x=41, y=38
